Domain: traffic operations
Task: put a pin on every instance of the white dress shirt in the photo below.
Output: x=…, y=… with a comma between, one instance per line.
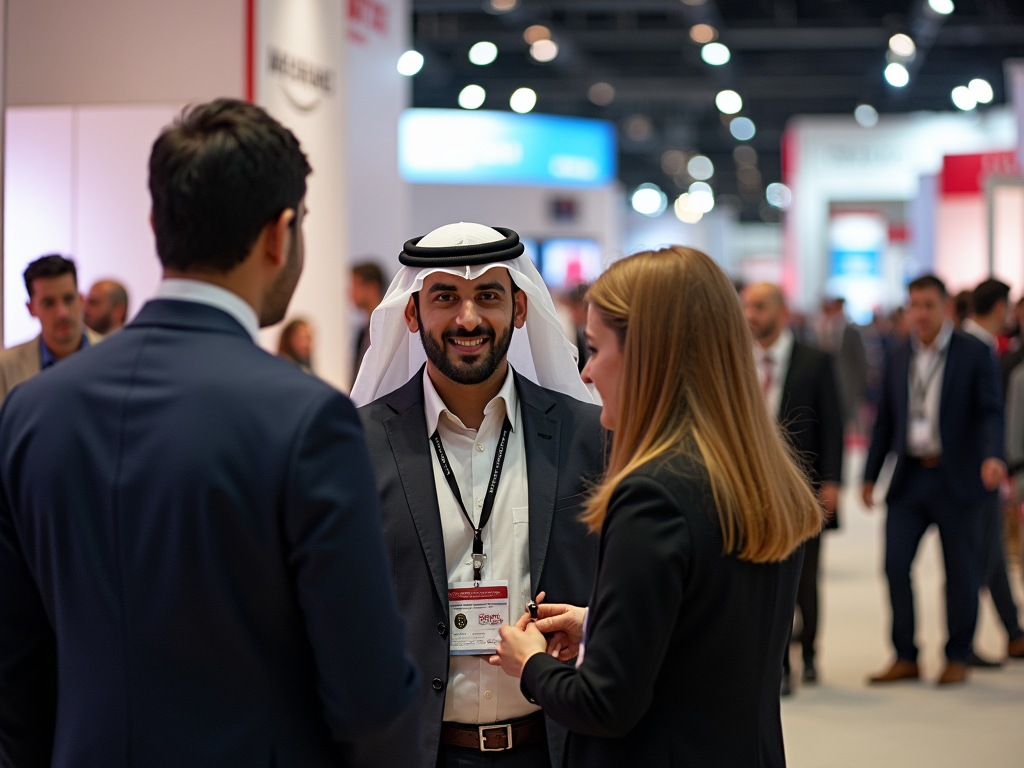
x=927, y=364
x=971, y=327
x=779, y=353
x=478, y=692
x=201, y=292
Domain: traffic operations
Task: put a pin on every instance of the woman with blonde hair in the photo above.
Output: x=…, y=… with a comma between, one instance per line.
x=701, y=515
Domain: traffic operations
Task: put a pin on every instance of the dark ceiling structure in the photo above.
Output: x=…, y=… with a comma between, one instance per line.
x=788, y=57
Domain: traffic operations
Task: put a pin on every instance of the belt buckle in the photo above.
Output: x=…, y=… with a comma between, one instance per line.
x=483, y=738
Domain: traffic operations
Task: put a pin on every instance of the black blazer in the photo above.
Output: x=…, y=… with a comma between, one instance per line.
x=811, y=415
x=970, y=417
x=564, y=452
x=683, y=658
x=190, y=556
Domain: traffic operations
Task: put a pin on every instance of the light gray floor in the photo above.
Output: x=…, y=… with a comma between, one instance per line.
x=843, y=723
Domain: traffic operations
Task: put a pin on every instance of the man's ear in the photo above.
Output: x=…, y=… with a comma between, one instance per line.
x=411, y=319
x=521, y=308
x=278, y=237
x=31, y=309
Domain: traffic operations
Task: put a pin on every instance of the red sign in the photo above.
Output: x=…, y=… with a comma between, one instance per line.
x=366, y=17
x=966, y=174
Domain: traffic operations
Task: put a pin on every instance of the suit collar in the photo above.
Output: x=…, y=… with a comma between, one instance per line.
x=172, y=313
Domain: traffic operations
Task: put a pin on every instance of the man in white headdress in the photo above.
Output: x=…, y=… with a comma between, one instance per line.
x=484, y=440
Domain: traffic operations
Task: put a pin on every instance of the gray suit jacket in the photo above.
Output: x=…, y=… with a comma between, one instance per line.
x=565, y=449
x=22, y=362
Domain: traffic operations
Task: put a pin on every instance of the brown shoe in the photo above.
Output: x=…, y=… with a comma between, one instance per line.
x=1015, y=648
x=900, y=670
x=955, y=672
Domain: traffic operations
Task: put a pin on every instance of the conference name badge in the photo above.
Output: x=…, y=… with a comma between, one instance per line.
x=477, y=610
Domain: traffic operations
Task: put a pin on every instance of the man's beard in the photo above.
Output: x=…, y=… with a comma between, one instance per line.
x=767, y=331
x=478, y=370
x=279, y=295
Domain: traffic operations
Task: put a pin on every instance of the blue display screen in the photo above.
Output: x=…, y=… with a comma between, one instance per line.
x=455, y=146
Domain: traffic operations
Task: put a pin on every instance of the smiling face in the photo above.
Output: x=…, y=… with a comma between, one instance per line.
x=604, y=367
x=466, y=325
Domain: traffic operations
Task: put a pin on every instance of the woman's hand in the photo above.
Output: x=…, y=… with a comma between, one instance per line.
x=563, y=624
x=516, y=647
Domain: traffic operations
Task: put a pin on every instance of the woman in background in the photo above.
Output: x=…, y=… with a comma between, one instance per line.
x=296, y=344
x=701, y=514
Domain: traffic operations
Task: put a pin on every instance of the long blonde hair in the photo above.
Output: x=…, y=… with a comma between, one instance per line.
x=688, y=380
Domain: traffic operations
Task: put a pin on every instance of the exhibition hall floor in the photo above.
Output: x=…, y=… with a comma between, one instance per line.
x=842, y=722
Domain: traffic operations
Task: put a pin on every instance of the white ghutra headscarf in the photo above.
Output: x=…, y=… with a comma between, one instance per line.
x=539, y=351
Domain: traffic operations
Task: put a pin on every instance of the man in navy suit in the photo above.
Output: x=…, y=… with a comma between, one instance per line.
x=941, y=414
x=192, y=565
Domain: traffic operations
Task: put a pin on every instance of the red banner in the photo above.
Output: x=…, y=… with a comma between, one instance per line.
x=966, y=174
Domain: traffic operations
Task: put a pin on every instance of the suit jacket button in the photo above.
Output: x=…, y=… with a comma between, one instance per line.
x=442, y=629
x=437, y=684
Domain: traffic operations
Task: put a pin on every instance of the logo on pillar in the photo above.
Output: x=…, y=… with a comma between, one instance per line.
x=304, y=83
x=367, y=18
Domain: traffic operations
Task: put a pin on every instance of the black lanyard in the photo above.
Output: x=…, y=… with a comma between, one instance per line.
x=919, y=391
x=479, y=558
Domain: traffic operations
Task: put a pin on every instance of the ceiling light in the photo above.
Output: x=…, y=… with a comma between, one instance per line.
x=866, y=115
x=601, y=94
x=472, y=97
x=700, y=168
x=981, y=90
x=523, y=100
x=694, y=2
x=701, y=197
x=749, y=176
x=729, y=102
x=409, y=63
x=503, y=6
x=639, y=128
x=902, y=45
x=745, y=155
x=703, y=33
x=742, y=128
x=715, y=54
x=963, y=98
x=943, y=7
x=544, y=50
x=778, y=195
x=535, y=33
x=896, y=75
x=649, y=200
x=483, y=53
x=683, y=211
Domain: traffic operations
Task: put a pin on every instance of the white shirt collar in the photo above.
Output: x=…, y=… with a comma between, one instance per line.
x=201, y=292
x=974, y=328
x=506, y=399
x=940, y=343
x=780, y=348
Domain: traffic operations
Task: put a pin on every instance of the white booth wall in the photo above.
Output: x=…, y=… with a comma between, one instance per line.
x=90, y=85
x=834, y=160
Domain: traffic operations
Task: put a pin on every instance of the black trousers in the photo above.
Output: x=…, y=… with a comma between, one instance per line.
x=533, y=755
x=807, y=602
x=992, y=567
x=925, y=500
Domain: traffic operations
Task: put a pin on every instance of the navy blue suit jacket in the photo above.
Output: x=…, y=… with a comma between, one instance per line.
x=192, y=568
x=970, y=417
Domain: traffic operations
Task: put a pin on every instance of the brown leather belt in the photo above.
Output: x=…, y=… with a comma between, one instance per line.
x=497, y=737
x=928, y=462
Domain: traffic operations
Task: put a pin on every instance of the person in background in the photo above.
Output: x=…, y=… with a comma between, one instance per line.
x=1015, y=352
x=987, y=323
x=576, y=299
x=189, y=528
x=296, y=344
x=481, y=473
x=53, y=299
x=941, y=413
x=106, y=306
x=366, y=291
x=840, y=338
x=960, y=309
x=800, y=390
x=701, y=514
